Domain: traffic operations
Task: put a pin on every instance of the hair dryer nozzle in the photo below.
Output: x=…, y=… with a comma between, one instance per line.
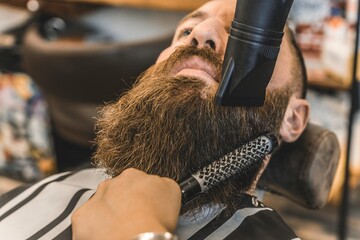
x=253, y=46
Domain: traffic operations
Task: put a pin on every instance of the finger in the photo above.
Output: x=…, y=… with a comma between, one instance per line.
x=173, y=185
x=130, y=174
x=101, y=189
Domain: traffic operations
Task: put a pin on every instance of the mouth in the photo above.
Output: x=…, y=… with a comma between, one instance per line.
x=198, y=68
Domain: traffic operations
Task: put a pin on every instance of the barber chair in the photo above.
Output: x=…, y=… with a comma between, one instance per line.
x=115, y=46
x=303, y=171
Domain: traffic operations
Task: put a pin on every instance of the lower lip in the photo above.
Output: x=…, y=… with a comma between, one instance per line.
x=199, y=74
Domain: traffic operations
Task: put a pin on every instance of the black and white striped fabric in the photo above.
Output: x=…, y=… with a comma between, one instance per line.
x=43, y=211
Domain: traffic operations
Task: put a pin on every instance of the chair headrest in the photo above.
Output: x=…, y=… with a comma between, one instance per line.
x=303, y=171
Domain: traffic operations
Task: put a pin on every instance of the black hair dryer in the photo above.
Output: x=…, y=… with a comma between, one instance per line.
x=253, y=46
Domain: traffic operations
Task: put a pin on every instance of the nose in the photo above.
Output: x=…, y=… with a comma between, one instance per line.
x=206, y=35
x=208, y=43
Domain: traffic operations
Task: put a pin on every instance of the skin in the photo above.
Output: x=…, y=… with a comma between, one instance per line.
x=148, y=202
x=104, y=216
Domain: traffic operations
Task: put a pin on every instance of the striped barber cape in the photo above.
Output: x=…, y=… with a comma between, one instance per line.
x=43, y=211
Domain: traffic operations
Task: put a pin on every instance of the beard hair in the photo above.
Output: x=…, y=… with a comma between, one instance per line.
x=164, y=126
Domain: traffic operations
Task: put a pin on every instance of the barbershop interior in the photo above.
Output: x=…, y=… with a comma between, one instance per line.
x=61, y=61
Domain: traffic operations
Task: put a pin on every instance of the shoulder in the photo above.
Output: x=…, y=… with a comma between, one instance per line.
x=252, y=220
x=87, y=178
x=262, y=223
x=46, y=205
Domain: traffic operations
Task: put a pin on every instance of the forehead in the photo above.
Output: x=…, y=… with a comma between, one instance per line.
x=221, y=9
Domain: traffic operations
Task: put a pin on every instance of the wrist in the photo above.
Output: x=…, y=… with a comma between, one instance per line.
x=142, y=225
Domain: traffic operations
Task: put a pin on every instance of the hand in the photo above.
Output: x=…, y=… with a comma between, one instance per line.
x=129, y=204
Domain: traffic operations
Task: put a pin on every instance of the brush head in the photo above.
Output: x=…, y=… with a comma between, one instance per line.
x=236, y=162
x=242, y=159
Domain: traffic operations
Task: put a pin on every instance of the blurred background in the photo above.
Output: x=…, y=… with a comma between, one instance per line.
x=62, y=59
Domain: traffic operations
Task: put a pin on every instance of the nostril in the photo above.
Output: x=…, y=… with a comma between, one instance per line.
x=194, y=42
x=211, y=44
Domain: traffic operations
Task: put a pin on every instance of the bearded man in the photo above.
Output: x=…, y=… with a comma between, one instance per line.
x=168, y=125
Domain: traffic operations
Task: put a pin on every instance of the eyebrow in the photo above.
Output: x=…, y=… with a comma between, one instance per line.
x=193, y=15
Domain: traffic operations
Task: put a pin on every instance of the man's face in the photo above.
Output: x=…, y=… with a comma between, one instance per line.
x=168, y=124
x=209, y=26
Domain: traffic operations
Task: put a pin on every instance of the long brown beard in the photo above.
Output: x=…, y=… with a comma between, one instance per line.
x=164, y=126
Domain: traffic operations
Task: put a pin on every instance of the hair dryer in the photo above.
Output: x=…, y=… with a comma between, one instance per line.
x=253, y=46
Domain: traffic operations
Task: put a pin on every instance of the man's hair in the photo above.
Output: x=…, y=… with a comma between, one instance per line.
x=299, y=70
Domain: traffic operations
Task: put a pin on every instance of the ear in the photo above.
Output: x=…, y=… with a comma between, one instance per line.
x=295, y=119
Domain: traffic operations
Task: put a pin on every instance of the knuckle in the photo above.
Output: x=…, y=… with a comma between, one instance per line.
x=129, y=172
x=103, y=185
x=76, y=216
x=172, y=184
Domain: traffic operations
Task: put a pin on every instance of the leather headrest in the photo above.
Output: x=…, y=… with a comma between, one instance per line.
x=303, y=171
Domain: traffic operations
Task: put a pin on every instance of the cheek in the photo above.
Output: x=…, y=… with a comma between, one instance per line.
x=222, y=51
x=282, y=73
x=164, y=54
x=168, y=51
